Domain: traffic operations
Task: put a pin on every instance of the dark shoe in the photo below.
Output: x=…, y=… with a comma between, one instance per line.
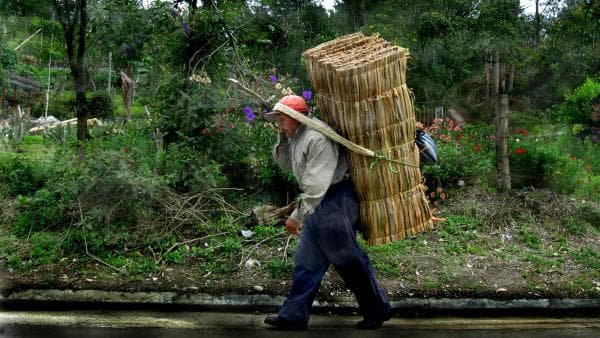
x=280, y=324
x=369, y=324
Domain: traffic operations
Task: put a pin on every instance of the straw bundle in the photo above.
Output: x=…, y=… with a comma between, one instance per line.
x=363, y=95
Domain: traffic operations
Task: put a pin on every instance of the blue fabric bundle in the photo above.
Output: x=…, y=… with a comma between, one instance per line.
x=428, y=150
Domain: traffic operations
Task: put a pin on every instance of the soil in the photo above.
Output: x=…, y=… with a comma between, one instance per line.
x=504, y=271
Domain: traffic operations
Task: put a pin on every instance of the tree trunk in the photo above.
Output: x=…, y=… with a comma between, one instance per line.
x=537, y=23
x=80, y=107
x=502, y=162
x=488, y=76
x=511, y=78
x=72, y=15
x=503, y=71
x=496, y=75
x=109, y=73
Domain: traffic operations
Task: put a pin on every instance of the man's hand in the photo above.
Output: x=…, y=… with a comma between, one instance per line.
x=292, y=226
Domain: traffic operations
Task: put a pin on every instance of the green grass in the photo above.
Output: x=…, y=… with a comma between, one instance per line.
x=528, y=236
x=587, y=257
x=279, y=268
x=543, y=264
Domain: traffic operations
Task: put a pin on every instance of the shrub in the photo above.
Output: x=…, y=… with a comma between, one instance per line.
x=8, y=58
x=279, y=268
x=100, y=106
x=465, y=154
x=43, y=248
x=579, y=106
x=187, y=170
x=532, y=165
x=590, y=190
x=61, y=106
x=22, y=178
x=40, y=212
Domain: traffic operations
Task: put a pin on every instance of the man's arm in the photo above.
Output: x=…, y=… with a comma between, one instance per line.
x=281, y=153
x=321, y=162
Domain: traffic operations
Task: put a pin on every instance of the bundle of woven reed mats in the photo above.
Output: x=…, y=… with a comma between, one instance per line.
x=362, y=94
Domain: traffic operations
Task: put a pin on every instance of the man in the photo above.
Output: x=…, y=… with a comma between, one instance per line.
x=329, y=212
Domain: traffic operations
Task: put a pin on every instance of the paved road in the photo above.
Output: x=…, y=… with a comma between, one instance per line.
x=138, y=324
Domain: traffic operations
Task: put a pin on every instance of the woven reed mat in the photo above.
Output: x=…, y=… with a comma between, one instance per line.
x=362, y=94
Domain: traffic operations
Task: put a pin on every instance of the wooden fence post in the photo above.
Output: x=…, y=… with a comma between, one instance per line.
x=502, y=162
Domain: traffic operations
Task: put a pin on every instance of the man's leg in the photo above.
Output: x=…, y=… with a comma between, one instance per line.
x=336, y=236
x=311, y=265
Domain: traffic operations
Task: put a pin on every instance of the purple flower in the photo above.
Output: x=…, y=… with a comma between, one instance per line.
x=249, y=113
x=273, y=78
x=307, y=94
x=186, y=28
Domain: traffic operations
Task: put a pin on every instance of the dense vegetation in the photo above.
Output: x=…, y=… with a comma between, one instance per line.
x=195, y=158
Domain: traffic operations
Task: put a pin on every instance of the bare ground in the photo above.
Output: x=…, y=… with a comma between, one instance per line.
x=526, y=245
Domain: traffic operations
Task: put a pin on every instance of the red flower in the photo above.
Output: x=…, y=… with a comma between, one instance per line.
x=520, y=151
x=477, y=148
x=521, y=132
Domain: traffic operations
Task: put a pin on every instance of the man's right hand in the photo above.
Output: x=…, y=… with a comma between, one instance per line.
x=292, y=226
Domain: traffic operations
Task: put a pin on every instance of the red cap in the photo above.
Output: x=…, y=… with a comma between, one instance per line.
x=295, y=102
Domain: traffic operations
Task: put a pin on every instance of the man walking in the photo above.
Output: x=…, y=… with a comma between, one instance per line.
x=328, y=214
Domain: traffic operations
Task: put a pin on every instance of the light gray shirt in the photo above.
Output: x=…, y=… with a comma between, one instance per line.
x=317, y=163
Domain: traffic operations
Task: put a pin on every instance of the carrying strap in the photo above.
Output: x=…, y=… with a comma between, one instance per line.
x=329, y=132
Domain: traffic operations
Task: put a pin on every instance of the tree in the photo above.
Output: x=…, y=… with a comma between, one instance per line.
x=41, y=8
x=72, y=15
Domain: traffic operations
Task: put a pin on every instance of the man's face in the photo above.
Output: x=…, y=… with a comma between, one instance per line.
x=287, y=125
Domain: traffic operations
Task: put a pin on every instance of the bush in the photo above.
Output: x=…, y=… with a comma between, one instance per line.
x=42, y=211
x=61, y=106
x=544, y=163
x=578, y=107
x=8, y=58
x=464, y=154
x=43, y=248
x=22, y=178
x=203, y=122
x=279, y=268
x=589, y=189
x=186, y=170
x=100, y=106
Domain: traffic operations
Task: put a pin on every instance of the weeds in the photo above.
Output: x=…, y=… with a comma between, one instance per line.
x=587, y=257
x=279, y=268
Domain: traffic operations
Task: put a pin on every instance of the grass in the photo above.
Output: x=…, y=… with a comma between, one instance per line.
x=486, y=237
x=587, y=257
x=279, y=268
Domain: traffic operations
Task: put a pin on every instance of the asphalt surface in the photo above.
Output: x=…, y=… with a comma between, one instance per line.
x=103, y=323
x=97, y=313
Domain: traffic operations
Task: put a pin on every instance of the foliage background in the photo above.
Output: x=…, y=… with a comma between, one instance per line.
x=197, y=156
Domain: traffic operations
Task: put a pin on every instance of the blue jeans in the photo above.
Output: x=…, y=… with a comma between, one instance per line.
x=328, y=237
